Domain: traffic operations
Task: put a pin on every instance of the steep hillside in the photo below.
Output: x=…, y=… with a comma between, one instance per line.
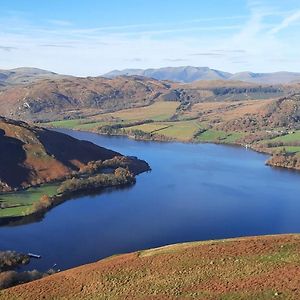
x=32, y=155
x=265, y=267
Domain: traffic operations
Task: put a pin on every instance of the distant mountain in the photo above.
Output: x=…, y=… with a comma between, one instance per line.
x=24, y=76
x=190, y=74
x=269, y=78
x=179, y=74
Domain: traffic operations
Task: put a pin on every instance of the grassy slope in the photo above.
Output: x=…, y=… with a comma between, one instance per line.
x=20, y=203
x=246, y=268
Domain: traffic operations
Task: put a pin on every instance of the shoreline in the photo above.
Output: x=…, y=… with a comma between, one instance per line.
x=86, y=186
x=170, y=140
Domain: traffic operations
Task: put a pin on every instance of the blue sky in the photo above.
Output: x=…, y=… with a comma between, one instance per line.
x=92, y=37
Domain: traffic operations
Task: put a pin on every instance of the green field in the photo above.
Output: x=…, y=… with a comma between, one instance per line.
x=219, y=136
x=182, y=130
x=158, y=111
x=20, y=203
x=69, y=124
x=289, y=149
x=291, y=137
x=286, y=140
x=149, y=127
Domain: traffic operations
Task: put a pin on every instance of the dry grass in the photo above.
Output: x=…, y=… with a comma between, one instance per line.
x=157, y=111
x=246, y=268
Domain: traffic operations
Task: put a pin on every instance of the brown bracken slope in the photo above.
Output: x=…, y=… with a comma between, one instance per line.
x=31, y=155
x=73, y=97
x=266, y=267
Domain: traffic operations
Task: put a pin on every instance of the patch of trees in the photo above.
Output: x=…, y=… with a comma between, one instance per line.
x=140, y=134
x=42, y=204
x=121, y=176
x=11, y=259
x=199, y=132
x=118, y=128
x=280, y=144
x=221, y=91
x=12, y=278
x=96, y=166
x=285, y=160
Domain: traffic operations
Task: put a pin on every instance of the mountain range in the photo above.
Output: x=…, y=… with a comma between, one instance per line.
x=189, y=74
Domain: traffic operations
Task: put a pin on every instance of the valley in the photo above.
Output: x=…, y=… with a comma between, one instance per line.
x=58, y=150
x=149, y=150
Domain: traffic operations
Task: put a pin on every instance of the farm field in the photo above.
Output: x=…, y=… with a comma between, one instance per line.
x=16, y=204
x=219, y=136
x=158, y=111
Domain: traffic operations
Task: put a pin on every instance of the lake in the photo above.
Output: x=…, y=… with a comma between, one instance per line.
x=194, y=192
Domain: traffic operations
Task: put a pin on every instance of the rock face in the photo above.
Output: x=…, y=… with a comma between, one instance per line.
x=31, y=155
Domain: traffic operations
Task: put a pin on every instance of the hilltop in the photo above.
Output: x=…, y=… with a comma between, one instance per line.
x=265, y=267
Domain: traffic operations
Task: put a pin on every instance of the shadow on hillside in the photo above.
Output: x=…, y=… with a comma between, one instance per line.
x=12, y=156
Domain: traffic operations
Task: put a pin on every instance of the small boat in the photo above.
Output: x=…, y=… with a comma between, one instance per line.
x=34, y=255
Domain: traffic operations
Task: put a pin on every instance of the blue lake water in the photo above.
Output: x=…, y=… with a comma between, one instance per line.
x=194, y=192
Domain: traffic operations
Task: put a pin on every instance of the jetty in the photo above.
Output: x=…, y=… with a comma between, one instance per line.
x=34, y=255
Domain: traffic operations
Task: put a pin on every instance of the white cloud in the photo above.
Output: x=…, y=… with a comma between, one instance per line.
x=286, y=22
x=242, y=43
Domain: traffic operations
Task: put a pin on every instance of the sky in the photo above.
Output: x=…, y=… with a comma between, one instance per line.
x=91, y=37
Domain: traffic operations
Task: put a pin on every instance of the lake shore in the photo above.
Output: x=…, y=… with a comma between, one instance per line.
x=277, y=160
x=89, y=180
